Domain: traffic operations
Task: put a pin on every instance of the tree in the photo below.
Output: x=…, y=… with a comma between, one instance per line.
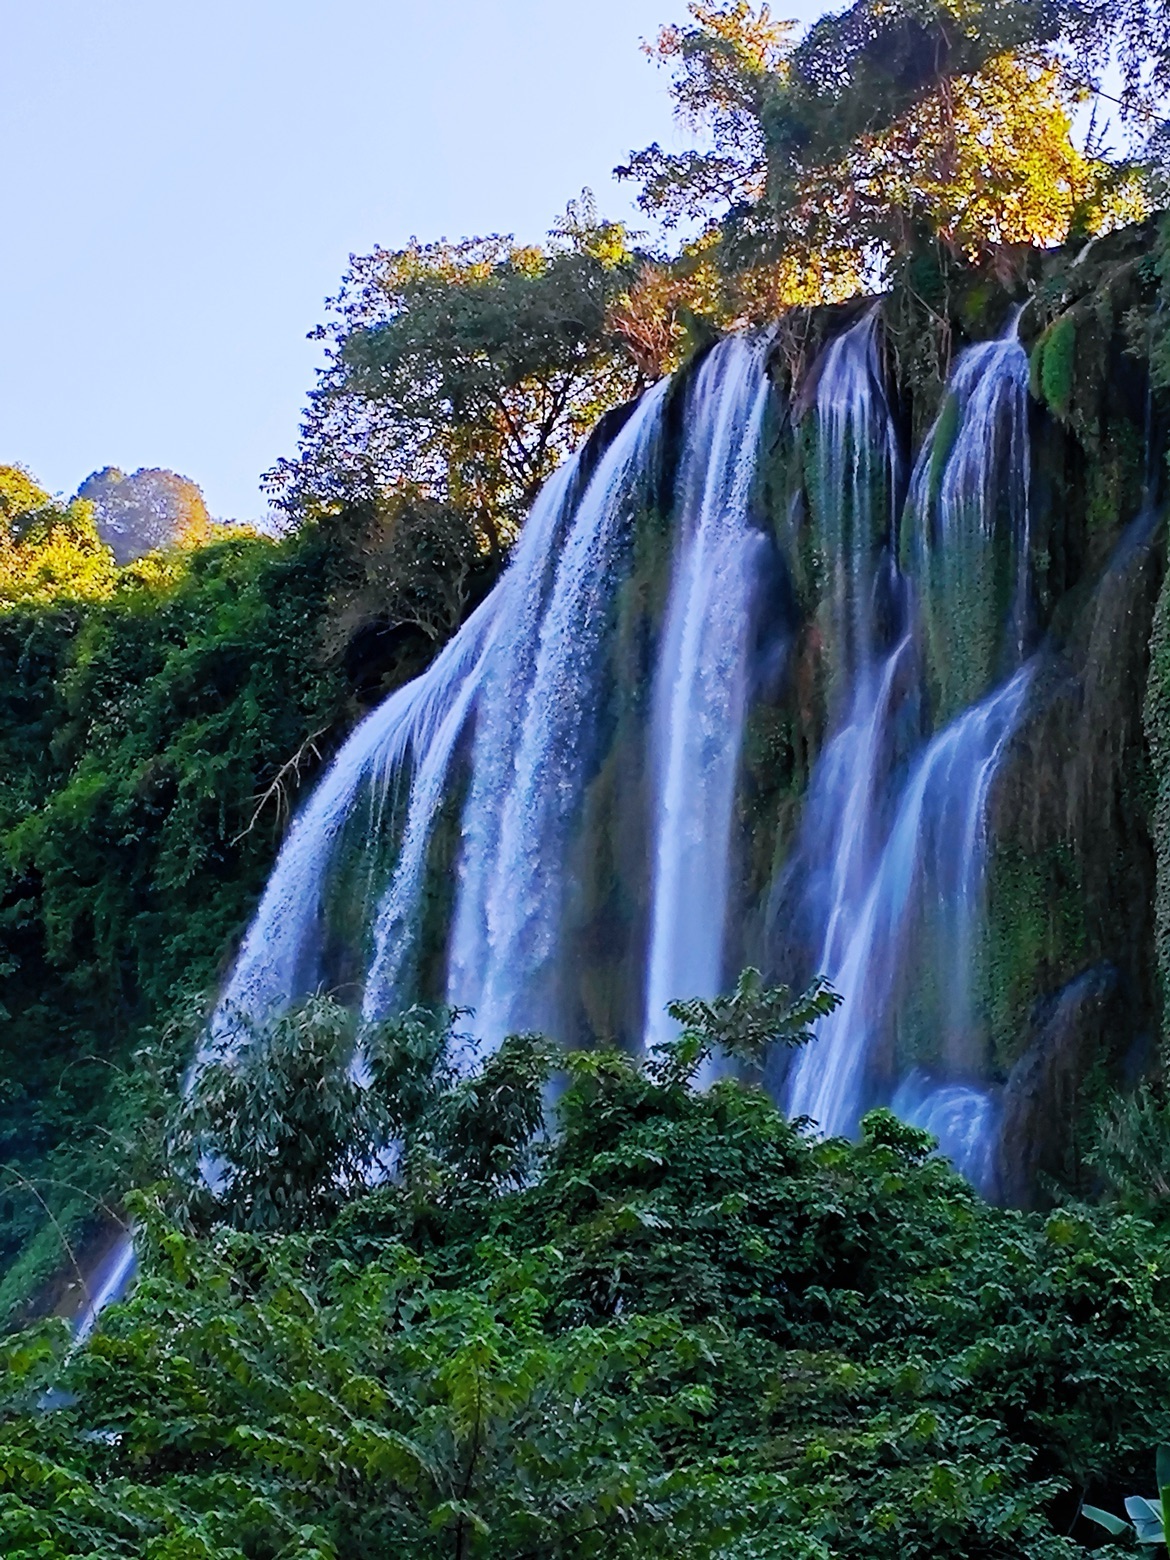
x=464, y=373
x=887, y=127
x=726, y=63
x=49, y=550
x=676, y=1327
x=146, y=742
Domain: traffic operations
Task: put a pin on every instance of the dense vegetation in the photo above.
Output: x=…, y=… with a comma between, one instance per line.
x=139, y=731
x=676, y=1327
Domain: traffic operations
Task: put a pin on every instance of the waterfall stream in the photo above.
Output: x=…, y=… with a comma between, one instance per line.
x=931, y=864
x=511, y=896
x=700, y=690
x=922, y=624
x=915, y=904
x=416, y=725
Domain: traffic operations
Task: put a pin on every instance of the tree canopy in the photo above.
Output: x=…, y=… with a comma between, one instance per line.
x=463, y=373
x=676, y=1326
x=891, y=124
x=49, y=549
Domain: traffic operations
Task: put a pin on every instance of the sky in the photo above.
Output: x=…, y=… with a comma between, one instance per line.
x=184, y=181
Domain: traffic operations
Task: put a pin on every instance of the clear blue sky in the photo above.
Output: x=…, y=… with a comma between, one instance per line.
x=184, y=180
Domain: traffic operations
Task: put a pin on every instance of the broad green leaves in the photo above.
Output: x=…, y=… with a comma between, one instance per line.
x=1149, y=1520
x=675, y=1326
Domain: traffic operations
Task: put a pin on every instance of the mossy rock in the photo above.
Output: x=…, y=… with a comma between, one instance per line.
x=1053, y=365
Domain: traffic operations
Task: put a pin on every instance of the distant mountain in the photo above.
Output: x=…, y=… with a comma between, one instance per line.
x=148, y=509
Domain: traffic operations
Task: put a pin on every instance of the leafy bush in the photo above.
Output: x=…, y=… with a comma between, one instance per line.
x=1148, y=1518
x=675, y=1326
x=138, y=736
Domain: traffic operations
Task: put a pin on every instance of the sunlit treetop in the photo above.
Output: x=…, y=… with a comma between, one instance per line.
x=893, y=123
x=53, y=550
x=726, y=63
x=49, y=550
x=459, y=375
x=465, y=371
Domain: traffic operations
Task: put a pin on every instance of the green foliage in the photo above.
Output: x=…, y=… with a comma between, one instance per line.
x=21, y=497
x=1157, y=332
x=893, y=129
x=405, y=568
x=49, y=551
x=1149, y=1519
x=684, y=1329
x=1132, y=1150
x=1055, y=358
x=282, y=1127
x=140, y=742
x=280, y=1118
x=745, y=1024
x=725, y=63
x=463, y=373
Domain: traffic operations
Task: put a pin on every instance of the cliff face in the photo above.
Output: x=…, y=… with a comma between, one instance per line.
x=1074, y=948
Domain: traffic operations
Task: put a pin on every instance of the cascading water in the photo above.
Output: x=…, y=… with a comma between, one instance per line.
x=526, y=675
x=853, y=496
x=568, y=700
x=854, y=485
x=524, y=670
x=516, y=834
x=396, y=920
x=884, y=883
x=700, y=690
x=279, y=960
x=960, y=1116
x=932, y=865
x=919, y=902
x=970, y=490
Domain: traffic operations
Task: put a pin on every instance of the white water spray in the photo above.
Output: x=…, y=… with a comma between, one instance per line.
x=700, y=692
x=926, y=881
x=530, y=767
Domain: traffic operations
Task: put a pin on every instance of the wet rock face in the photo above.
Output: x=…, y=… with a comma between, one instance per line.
x=1073, y=858
x=1070, y=1032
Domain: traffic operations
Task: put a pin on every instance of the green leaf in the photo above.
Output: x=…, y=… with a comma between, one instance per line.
x=1106, y=1519
x=1146, y=1517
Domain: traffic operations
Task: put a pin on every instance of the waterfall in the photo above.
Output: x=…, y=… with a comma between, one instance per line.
x=922, y=647
x=970, y=490
x=963, y=1119
x=531, y=763
x=106, y=1285
x=279, y=960
x=700, y=687
x=932, y=861
x=917, y=898
x=518, y=692
x=853, y=490
x=891, y=846
x=526, y=590
x=855, y=478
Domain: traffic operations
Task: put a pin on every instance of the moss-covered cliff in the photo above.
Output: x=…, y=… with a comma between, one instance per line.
x=1074, y=948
